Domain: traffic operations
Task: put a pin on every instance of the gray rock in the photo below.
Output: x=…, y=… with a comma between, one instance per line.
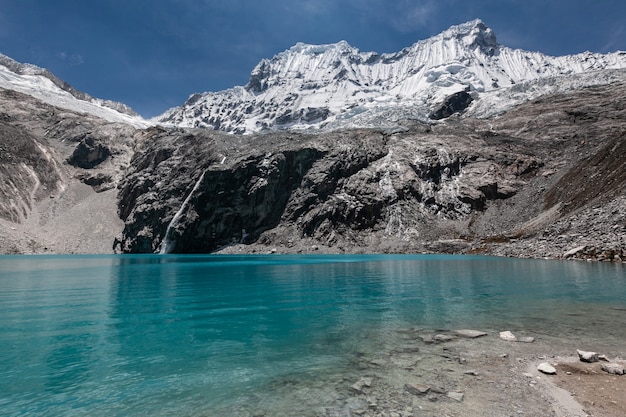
x=455, y=395
x=526, y=339
x=471, y=334
x=364, y=382
x=613, y=368
x=443, y=338
x=417, y=389
x=546, y=368
x=508, y=336
x=574, y=251
x=589, y=357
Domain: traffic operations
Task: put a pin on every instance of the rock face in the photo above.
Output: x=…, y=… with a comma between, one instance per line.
x=52, y=161
x=545, y=179
x=455, y=103
x=348, y=188
x=463, y=186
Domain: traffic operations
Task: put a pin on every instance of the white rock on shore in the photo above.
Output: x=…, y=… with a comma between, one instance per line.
x=546, y=368
x=613, y=368
x=508, y=336
x=589, y=357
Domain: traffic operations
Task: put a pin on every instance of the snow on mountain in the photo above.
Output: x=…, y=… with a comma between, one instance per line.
x=336, y=85
x=45, y=86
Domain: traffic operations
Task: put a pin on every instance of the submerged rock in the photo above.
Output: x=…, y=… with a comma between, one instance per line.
x=364, y=382
x=470, y=334
x=443, y=337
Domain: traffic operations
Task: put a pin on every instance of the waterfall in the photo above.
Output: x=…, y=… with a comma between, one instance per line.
x=167, y=244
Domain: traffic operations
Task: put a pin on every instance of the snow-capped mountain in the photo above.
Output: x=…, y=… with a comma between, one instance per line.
x=336, y=85
x=45, y=86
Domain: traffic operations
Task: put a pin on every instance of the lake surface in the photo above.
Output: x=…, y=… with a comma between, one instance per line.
x=158, y=335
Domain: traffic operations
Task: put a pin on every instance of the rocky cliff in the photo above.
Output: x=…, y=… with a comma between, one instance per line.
x=544, y=179
x=59, y=171
x=462, y=186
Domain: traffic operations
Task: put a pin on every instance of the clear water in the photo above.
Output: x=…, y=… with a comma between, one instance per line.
x=216, y=335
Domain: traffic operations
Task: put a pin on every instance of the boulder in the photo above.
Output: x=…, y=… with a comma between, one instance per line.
x=613, y=368
x=589, y=357
x=89, y=153
x=508, y=336
x=546, y=368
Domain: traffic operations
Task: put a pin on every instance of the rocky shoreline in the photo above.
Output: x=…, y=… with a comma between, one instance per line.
x=422, y=372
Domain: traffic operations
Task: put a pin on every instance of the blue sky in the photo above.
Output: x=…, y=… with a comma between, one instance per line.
x=152, y=54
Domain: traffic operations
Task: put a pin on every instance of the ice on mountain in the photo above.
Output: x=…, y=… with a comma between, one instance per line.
x=366, y=89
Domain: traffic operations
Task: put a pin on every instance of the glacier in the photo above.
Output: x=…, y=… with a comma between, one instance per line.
x=43, y=85
x=323, y=87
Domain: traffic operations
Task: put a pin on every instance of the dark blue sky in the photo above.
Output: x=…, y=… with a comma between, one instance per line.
x=153, y=54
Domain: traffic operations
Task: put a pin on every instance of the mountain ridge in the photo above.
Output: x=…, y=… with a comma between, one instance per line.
x=336, y=85
x=42, y=84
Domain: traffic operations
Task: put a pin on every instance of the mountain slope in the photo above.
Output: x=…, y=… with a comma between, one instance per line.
x=540, y=180
x=335, y=85
x=45, y=86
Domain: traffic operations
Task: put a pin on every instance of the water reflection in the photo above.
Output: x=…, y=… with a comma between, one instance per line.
x=188, y=335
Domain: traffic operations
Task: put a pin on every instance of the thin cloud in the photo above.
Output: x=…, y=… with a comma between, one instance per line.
x=413, y=16
x=403, y=16
x=73, y=60
x=616, y=37
x=310, y=7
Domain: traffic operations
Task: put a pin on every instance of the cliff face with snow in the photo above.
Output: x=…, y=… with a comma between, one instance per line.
x=45, y=86
x=540, y=179
x=336, y=85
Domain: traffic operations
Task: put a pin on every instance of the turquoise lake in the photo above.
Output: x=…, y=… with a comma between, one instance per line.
x=161, y=335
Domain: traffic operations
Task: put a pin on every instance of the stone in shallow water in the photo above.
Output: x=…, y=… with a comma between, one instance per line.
x=613, y=368
x=508, y=336
x=589, y=357
x=471, y=334
x=361, y=383
x=546, y=368
x=443, y=337
x=527, y=339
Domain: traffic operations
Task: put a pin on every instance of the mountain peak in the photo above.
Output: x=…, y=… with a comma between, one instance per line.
x=310, y=49
x=335, y=85
x=473, y=34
